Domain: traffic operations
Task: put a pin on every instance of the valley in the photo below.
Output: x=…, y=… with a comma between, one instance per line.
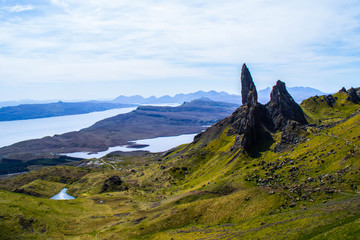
x=278, y=170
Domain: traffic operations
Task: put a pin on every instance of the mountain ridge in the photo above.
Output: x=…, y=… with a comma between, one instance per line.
x=299, y=94
x=36, y=110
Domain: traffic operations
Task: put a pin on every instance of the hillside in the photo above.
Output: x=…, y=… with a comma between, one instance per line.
x=32, y=111
x=272, y=171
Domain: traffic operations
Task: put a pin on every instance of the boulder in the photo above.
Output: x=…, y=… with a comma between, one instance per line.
x=352, y=96
x=113, y=183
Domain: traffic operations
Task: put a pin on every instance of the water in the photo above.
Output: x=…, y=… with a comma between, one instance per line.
x=62, y=195
x=15, y=131
x=159, y=144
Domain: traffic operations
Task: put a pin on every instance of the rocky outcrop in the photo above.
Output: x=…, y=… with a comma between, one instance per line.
x=343, y=90
x=253, y=123
x=248, y=90
x=330, y=100
x=352, y=96
x=113, y=183
x=249, y=121
x=283, y=108
x=292, y=134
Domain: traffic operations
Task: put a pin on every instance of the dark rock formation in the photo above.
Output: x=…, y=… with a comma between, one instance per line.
x=249, y=121
x=342, y=90
x=113, y=183
x=330, y=100
x=282, y=107
x=248, y=90
x=352, y=96
x=253, y=123
x=292, y=134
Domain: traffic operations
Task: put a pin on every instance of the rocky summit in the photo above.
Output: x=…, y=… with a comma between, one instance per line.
x=283, y=108
x=353, y=97
x=248, y=90
x=253, y=123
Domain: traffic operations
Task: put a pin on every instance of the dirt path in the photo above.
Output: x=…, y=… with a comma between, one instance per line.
x=109, y=164
x=348, y=142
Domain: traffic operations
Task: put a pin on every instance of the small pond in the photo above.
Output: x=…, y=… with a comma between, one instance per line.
x=62, y=195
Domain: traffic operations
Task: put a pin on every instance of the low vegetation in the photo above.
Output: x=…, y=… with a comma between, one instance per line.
x=308, y=189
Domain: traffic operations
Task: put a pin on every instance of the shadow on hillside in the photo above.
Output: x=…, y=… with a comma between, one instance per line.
x=263, y=145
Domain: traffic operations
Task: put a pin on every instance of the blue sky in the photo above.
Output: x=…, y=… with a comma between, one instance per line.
x=92, y=49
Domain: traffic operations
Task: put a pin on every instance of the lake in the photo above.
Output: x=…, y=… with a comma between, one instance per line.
x=62, y=195
x=159, y=144
x=15, y=131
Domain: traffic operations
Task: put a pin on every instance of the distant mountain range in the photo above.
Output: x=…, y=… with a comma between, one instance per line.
x=299, y=94
x=32, y=111
x=180, y=98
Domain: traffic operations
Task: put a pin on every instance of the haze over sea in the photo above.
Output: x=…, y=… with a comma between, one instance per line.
x=15, y=131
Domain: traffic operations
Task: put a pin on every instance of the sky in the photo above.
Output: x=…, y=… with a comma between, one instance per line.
x=100, y=49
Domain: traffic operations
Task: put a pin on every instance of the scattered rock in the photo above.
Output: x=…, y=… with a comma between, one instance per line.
x=113, y=183
x=137, y=221
x=292, y=205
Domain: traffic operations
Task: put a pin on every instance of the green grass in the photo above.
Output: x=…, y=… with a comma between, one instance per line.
x=204, y=190
x=318, y=111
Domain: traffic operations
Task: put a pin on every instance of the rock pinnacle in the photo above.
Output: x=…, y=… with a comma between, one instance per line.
x=248, y=90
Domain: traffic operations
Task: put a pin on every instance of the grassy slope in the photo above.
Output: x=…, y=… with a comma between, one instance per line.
x=205, y=191
x=316, y=109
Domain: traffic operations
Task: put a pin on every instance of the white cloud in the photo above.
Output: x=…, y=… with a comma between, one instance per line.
x=119, y=40
x=19, y=8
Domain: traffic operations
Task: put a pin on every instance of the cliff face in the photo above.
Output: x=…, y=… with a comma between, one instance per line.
x=282, y=107
x=248, y=90
x=253, y=123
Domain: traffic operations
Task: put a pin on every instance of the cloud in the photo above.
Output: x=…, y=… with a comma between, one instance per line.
x=85, y=40
x=19, y=8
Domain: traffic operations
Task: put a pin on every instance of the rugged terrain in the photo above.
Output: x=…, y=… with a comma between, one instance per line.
x=272, y=171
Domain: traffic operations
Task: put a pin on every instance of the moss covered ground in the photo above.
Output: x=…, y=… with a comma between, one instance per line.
x=203, y=190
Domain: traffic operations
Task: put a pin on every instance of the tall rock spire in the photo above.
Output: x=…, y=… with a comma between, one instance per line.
x=248, y=90
x=282, y=107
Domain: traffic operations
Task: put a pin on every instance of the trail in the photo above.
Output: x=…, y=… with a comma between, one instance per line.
x=348, y=142
x=109, y=164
